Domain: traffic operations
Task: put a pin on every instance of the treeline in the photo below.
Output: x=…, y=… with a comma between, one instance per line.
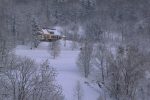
x=95, y=16
x=98, y=15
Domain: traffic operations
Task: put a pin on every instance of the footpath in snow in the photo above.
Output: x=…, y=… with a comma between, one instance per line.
x=65, y=65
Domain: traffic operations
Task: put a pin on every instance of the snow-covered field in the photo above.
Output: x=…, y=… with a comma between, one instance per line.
x=65, y=64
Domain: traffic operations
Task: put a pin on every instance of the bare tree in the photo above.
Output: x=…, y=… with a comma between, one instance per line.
x=125, y=72
x=75, y=36
x=78, y=91
x=55, y=49
x=17, y=74
x=45, y=86
x=20, y=80
x=84, y=59
x=99, y=60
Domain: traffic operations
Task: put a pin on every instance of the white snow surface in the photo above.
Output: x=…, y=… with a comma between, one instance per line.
x=65, y=64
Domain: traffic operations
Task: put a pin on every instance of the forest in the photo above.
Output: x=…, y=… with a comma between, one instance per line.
x=114, y=37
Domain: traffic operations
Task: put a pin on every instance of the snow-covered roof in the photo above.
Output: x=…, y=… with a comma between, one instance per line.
x=48, y=31
x=45, y=31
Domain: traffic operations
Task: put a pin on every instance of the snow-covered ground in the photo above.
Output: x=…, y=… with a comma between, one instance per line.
x=65, y=64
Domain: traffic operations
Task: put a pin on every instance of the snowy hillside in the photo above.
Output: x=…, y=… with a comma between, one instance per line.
x=65, y=64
